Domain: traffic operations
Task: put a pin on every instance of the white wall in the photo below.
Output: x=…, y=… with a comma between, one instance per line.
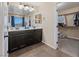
x=3, y=16
x=1, y=29
x=49, y=23
x=67, y=11
x=5, y=28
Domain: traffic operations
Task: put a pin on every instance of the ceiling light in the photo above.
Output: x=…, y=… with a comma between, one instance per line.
x=31, y=9
x=26, y=8
x=60, y=4
x=21, y=6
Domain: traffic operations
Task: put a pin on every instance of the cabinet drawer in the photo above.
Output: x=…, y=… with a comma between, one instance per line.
x=16, y=32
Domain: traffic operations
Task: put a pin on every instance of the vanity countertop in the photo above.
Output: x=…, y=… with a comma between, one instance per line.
x=23, y=29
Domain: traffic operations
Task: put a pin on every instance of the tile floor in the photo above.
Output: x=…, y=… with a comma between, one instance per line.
x=38, y=50
x=70, y=44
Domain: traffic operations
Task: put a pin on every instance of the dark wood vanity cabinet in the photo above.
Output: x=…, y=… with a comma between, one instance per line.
x=19, y=39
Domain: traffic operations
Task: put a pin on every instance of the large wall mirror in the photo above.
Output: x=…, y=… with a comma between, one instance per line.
x=17, y=21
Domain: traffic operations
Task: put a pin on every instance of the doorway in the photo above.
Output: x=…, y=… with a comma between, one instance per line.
x=68, y=28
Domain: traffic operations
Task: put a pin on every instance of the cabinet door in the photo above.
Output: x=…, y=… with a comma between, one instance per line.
x=29, y=37
x=20, y=40
x=38, y=35
x=12, y=43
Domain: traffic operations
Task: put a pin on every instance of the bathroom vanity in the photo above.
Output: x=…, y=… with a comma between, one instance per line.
x=23, y=38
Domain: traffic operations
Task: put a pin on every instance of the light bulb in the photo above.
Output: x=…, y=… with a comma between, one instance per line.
x=21, y=6
x=26, y=8
x=31, y=9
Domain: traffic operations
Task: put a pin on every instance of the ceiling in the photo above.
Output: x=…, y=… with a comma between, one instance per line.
x=13, y=7
x=66, y=5
x=60, y=6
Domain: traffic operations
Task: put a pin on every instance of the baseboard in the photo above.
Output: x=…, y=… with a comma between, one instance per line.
x=48, y=45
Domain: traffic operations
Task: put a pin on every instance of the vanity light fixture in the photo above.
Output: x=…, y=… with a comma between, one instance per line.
x=26, y=7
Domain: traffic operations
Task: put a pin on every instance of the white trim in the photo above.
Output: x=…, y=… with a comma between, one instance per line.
x=49, y=45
